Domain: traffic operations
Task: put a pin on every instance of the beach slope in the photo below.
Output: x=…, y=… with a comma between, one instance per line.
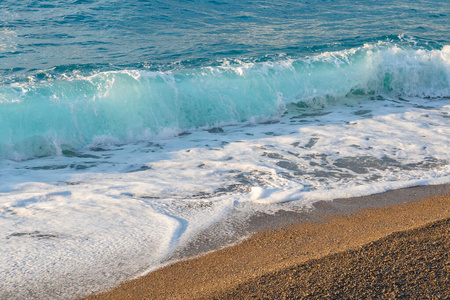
x=389, y=251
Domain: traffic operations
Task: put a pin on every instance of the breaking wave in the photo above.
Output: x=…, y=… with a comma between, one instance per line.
x=40, y=118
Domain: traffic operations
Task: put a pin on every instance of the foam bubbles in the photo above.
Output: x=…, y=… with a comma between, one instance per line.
x=132, y=167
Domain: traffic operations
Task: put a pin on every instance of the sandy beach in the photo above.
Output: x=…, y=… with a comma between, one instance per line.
x=411, y=264
x=389, y=245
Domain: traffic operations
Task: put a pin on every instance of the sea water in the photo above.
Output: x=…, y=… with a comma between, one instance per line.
x=127, y=128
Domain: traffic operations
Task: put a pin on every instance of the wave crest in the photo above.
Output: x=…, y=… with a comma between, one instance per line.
x=41, y=118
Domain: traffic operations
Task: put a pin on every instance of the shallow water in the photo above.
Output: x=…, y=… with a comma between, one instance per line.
x=126, y=132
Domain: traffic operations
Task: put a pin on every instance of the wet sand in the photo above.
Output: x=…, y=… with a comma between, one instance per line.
x=347, y=247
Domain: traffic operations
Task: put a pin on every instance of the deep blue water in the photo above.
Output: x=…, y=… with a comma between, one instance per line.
x=92, y=35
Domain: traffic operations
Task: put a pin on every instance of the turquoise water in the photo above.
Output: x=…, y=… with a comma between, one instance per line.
x=45, y=117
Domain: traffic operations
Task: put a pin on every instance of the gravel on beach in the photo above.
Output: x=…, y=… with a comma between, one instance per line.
x=413, y=264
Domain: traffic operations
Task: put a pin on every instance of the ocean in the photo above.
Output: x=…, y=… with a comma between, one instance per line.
x=128, y=128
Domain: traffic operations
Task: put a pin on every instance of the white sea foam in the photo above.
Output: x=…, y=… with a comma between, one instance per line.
x=87, y=219
x=128, y=167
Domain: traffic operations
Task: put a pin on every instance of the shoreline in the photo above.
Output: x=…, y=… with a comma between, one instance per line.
x=284, y=241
